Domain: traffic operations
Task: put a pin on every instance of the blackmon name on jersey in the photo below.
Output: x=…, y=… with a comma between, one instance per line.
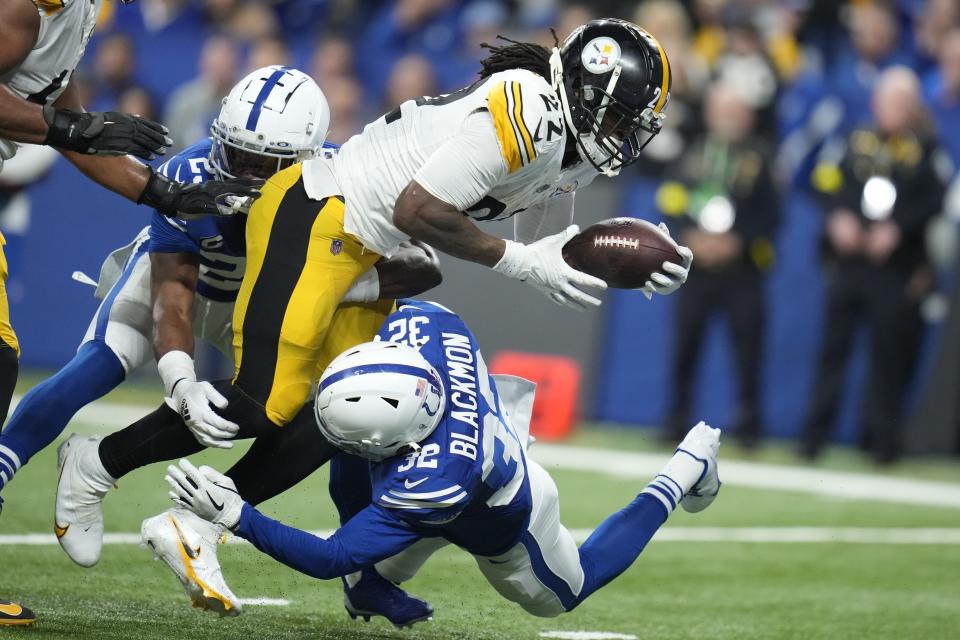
x=468, y=480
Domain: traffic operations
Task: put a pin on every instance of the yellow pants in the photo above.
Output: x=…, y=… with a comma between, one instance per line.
x=300, y=263
x=6, y=329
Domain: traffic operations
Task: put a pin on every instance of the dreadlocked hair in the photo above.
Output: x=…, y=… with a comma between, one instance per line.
x=517, y=55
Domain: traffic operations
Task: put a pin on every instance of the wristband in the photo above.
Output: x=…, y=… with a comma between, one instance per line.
x=173, y=367
x=65, y=129
x=161, y=193
x=511, y=264
x=366, y=288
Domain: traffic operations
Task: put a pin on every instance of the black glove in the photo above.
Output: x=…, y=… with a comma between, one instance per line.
x=108, y=133
x=213, y=197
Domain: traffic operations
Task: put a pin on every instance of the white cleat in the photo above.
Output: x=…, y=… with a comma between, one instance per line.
x=188, y=545
x=702, y=443
x=78, y=518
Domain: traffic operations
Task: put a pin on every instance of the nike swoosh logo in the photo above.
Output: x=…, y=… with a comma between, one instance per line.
x=191, y=552
x=410, y=485
x=218, y=507
x=60, y=531
x=498, y=561
x=11, y=609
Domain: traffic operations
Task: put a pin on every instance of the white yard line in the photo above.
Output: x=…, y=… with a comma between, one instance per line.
x=109, y=416
x=587, y=635
x=836, y=484
x=265, y=602
x=762, y=535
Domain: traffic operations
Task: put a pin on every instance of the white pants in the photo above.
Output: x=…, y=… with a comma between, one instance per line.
x=539, y=573
x=124, y=320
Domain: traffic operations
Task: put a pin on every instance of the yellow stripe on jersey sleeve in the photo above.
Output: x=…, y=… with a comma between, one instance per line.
x=499, y=105
x=521, y=125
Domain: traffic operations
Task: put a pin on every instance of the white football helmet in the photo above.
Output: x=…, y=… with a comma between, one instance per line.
x=273, y=118
x=378, y=398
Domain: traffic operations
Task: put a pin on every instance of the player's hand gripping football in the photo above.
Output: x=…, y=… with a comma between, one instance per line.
x=541, y=264
x=205, y=491
x=673, y=274
x=192, y=400
x=109, y=133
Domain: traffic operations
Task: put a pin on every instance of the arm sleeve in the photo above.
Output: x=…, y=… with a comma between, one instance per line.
x=372, y=535
x=168, y=236
x=545, y=219
x=467, y=166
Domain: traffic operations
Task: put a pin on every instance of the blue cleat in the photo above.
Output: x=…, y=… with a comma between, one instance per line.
x=376, y=596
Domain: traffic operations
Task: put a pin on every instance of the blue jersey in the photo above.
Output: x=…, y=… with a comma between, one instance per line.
x=218, y=241
x=467, y=484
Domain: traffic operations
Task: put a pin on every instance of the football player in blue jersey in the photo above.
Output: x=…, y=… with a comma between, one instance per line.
x=445, y=449
x=178, y=281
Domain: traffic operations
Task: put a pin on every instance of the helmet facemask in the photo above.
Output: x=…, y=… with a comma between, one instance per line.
x=232, y=157
x=609, y=133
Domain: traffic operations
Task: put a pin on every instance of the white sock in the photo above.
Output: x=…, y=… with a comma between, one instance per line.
x=93, y=471
x=675, y=480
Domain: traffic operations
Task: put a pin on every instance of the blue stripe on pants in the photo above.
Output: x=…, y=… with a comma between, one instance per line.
x=103, y=315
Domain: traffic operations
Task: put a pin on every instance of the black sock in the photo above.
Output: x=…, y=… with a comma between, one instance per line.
x=9, y=367
x=279, y=460
x=158, y=436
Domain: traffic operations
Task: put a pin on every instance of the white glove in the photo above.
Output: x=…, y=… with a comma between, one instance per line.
x=205, y=491
x=541, y=264
x=673, y=274
x=192, y=400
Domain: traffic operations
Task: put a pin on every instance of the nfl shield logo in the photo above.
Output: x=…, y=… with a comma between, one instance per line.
x=336, y=247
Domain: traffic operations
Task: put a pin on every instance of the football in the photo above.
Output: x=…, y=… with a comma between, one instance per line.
x=622, y=252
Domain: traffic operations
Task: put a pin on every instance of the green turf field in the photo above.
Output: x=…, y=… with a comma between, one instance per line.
x=677, y=589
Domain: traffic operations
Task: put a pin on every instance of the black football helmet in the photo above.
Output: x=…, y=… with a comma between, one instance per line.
x=613, y=80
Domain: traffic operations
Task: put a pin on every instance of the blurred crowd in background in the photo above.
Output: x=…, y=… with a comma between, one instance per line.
x=854, y=102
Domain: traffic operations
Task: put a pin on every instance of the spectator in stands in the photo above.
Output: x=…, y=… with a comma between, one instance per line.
x=878, y=196
x=412, y=76
x=332, y=58
x=114, y=64
x=345, y=98
x=725, y=207
x=669, y=22
x=135, y=99
x=942, y=95
x=428, y=27
x=744, y=65
x=268, y=51
x=251, y=22
x=193, y=105
x=875, y=36
x=936, y=20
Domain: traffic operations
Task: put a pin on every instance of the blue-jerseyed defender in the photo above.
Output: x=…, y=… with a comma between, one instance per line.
x=190, y=270
x=443, y=445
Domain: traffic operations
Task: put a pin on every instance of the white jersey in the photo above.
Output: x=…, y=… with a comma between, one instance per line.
x=493, y=149
x=65, y=30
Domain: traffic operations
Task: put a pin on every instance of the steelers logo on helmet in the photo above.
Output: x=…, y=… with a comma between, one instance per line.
x=601, y=55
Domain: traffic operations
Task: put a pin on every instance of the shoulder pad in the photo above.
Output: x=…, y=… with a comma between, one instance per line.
x=526, y=115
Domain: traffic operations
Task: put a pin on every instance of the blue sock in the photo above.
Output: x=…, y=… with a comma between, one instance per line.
x=618, y=542
x=46, y=410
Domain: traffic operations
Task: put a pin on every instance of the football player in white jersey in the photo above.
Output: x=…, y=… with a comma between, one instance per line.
x=537, y=125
